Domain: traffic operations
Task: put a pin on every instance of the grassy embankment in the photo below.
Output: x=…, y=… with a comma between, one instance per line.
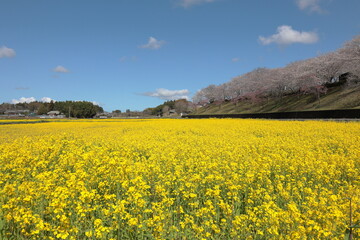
x=336, y=98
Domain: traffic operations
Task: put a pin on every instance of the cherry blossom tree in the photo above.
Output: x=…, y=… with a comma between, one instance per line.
x=350, y=54
x=307, y=76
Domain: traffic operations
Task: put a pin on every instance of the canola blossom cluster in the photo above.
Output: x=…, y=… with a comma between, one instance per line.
x=179, y=179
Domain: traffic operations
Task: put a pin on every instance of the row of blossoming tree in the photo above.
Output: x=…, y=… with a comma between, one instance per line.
x=309, y=76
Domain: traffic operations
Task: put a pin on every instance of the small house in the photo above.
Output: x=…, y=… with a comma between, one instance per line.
x=53, y=113
x=172, y=112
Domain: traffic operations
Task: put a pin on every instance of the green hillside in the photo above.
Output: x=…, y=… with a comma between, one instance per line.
x=340, y=97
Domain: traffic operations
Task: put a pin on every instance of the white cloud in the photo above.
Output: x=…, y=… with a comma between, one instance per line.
x=311, y=5
x=60, y=69
x=7, y=52
x=153, y=43
x=47, y=99
x=286, y=35
x=31, y=99
x=96, y=103
x=166, y=94
x=189, y=3
x=235, y=59
x=23, y=100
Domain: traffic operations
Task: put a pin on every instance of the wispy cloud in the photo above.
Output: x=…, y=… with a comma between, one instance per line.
x=235, y=59
x=167, y=94
x=60, y=69
x=286, y=35
x=310, y=5
x=128, y=59
x=153, y=43
x=22, y=88
x=7, y=52
x=189, y=3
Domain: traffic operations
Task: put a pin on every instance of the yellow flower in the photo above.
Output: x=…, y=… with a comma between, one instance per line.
x=180, y=179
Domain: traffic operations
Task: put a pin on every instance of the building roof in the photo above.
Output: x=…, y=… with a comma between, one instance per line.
x=53, y=113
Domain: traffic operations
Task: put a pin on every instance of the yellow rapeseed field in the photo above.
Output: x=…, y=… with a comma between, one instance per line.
x=178, y=179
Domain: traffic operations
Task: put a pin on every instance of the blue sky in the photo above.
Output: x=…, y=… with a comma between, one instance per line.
x=134, y=54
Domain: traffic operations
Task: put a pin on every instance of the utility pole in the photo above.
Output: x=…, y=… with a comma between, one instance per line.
x=69, y=112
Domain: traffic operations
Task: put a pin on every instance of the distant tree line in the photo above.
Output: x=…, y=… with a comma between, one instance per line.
x=179, y=106
x=311, y=76
x=78, y=109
